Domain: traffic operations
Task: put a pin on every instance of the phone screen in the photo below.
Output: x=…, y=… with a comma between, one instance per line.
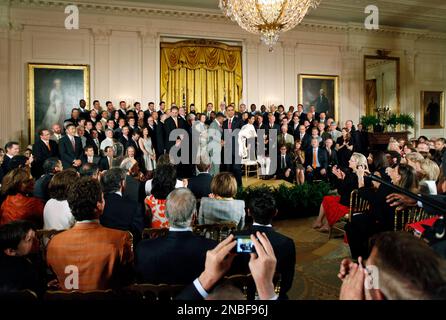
x=244, y=244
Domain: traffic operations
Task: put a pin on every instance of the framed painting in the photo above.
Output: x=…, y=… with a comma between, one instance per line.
x=321, y=91
x=53, y=90
x=432, y=109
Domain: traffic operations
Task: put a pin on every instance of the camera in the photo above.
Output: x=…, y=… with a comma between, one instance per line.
x=244, y=244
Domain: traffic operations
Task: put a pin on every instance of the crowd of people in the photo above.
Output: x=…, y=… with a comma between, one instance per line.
x=105, y=175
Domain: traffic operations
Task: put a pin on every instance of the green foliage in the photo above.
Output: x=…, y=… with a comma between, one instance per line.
x=407, y=120
x=295, y=201
x=369, y=121
x=392, y=120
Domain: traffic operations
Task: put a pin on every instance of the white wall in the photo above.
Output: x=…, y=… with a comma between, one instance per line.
x=122, y=50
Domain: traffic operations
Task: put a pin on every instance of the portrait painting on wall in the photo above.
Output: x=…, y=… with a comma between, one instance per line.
x=53, y=90
x=432, y=109
x=320, y=91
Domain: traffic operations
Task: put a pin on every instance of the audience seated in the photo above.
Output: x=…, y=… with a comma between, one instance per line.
x=391, y=273
x=51, y=166
x=163, y=183
x=158, y=260
x=335, y=207
x=19, y=204
x=19, y=268
x=316, y=161
x=298, y=158
x=57, y=214
x=262, y=207
x=96, y=257
x=221, y=205
x=200, y=185
x=431, y=172
x=120, y=212
x=285, y=170
x=134, y=189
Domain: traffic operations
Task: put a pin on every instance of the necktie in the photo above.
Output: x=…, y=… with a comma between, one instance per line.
x=48, y=145
x=230, y=124
x=176, y=121
x=73, y=143
x=283, y=162
x=109, y=162
x=314, y=158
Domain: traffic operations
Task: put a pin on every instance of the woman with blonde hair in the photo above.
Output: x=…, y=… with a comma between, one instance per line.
x=430, y=171
x=335, y=207
x=221, y=205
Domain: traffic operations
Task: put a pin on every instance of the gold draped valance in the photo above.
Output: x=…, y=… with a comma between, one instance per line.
x=200, y=72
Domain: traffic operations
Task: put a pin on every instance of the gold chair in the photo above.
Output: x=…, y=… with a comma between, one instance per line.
x=248, y=166
x=152, y=292
x=217, y=231
x=357, y=206
x=408, y=216
x=152, y=233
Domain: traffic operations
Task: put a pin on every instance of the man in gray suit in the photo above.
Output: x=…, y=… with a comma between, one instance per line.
x=215, y=134
x=285, y=138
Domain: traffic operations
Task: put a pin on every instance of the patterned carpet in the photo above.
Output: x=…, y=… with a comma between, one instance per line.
x=317, y=262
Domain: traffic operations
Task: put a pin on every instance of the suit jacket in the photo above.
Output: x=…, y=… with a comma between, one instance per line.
x=321, y=155
x=96, y=147
x=289, y=141
x=126, y=142
x=285, y=252
x=200, y=185
x=288, y=164
x=103, y=164
x=305, y=141
x=5, y=165
x=96, y=159
x=218, y=210
x=169, y=126
x=134, y=190
x=177, y=258
x=103, y=256
x=123, y=214
x=41, y=187
x=160, y=142
x=67, y=154
x=41, y=153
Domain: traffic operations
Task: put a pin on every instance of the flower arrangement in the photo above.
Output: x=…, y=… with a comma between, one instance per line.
x=384, y=118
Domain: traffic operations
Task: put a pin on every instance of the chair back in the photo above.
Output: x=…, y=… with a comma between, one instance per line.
x=60, y=295
x=152, y=292
x=408, y=216
x=153, y=233
x=217, y=231
x=357, y=204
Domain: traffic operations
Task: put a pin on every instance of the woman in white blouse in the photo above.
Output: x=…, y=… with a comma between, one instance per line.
x=57, y=214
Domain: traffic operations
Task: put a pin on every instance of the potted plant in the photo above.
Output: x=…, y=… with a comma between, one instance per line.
x=392, y=121
x=406, y=120
x=369, y=121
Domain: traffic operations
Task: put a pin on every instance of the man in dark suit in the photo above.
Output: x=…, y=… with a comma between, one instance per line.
x=84, y=113
x=122, y=109
x=119, y=212
x=12, y=149
x=229, y=125
x=75, y=117
x=43, y=149
x=316, y=161
x=355, y=136
x=285, y=166
x=293, y=126
x=200, y=185
x=149, y=111
x=300, y=113
x=125, y=138
x=158, y=260
x=106, y=161
x=172, y=123
x=162, y=108
x=159, y=141
x=303, y=137
x=89, y=156
x=51, y=166
x=314, y=115
x=94, y=141
x=262, y=207
x=322, y=102
x=70, y=148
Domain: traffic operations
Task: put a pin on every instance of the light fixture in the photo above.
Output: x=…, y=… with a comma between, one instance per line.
x=267, y=17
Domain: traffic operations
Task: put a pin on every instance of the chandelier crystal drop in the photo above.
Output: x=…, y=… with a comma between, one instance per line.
x=267, y=17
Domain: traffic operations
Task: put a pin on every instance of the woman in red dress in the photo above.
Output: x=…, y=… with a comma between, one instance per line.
x=335, y=207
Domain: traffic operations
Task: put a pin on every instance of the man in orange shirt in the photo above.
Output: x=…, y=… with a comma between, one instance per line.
x=89, y=256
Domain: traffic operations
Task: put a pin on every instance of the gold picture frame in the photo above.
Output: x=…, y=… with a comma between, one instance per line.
x=53, y=90
x=432, y=110
x=309, y=93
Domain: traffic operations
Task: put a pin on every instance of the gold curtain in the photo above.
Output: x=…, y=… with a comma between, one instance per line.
x=200, y=72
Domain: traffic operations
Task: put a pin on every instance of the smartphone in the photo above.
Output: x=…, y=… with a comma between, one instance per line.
x=244, y=244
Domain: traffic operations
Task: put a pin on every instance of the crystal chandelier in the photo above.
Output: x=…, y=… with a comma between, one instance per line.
x=267, y=17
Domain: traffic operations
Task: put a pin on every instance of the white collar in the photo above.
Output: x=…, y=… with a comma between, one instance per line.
x=88, y=221
x=118, y=193
x=180, y=229
x=262, y=225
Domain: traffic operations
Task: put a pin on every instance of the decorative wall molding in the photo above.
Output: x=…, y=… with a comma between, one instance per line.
x=141, y=10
